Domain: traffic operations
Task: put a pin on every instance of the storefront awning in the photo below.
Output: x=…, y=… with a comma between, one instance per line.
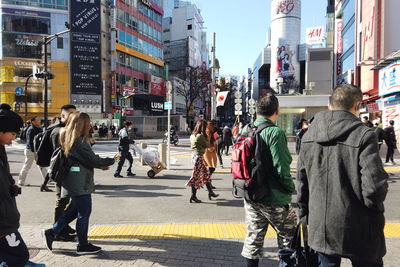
x=387, y=60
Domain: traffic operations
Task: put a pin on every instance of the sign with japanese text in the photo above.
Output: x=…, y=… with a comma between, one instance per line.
x=85, y=47
x=339, y=50
x=389, y=79
x=315, y=35
x=157, y=86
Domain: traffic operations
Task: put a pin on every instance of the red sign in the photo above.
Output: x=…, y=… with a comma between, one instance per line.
x=285, y=7
x=113, y=84
x=126, y=90
x=129, y=111
x=373, y=107
x=157, y=86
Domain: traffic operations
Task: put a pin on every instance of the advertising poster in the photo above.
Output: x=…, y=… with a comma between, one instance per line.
x=85, y=47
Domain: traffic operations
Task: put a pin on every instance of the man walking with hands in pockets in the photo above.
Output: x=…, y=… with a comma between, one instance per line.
x=341, y=184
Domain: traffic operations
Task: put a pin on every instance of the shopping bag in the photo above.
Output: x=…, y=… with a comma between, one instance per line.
x=296, y=255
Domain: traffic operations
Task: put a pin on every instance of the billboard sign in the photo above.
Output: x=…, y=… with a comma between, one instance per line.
x=389, y=79
x=85, y=47
x=315, y=35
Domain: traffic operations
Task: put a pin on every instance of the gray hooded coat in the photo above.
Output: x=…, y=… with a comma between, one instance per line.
x=341, y=186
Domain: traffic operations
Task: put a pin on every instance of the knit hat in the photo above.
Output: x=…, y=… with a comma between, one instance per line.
x=9, y=120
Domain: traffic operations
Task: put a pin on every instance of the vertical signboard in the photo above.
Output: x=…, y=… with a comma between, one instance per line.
x=339, y=51
x=85, y=47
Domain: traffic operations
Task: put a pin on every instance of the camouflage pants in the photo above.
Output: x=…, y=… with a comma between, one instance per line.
x=258, y=216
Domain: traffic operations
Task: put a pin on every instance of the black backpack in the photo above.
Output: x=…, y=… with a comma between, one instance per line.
x=43, y=147
x=251, y=164
x=22, y=136
x=59, y=166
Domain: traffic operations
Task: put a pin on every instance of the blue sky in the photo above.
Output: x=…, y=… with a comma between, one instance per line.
x=242, y=28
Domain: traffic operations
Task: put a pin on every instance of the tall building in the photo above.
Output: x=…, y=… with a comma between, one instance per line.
x=24, y=24
x=137, y=66
x=169, y=5
x=186, y=48
x=345, y=41
x=285, y=32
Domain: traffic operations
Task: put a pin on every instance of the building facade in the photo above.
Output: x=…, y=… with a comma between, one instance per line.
x=137, y=66
x=24, y=24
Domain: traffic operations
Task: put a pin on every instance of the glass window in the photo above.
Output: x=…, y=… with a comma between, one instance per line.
x=348, y=62
x=348, y=11
x=120, y=15
x=15, y=23
x=60, y=42
x=121, y=37
x=348, y=38
x=128, y=40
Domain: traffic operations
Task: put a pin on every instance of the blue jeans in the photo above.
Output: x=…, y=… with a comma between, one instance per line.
x=334, y=261
x=80, y=210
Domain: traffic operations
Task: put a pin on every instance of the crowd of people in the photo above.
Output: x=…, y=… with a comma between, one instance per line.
x=338, y=159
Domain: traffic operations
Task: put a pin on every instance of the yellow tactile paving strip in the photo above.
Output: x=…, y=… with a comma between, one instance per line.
x=190, y=231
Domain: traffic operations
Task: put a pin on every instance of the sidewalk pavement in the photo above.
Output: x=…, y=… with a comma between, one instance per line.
x=136, y=224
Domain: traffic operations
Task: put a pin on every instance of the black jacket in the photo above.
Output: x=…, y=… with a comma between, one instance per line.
x=30, y=135
x=124, y=140
x=390, y=136
x=341, y=185
x=227, y=137
x=9, y=215
x=55, y=135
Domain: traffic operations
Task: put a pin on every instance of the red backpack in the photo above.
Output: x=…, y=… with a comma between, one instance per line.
x=251, y=164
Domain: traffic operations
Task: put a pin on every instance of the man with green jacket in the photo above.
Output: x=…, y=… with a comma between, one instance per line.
x=274, y=208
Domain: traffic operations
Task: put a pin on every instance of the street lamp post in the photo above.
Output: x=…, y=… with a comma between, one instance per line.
x=26, y=95
x=46, y=41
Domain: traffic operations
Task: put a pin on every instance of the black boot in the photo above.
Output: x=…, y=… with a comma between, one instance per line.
x=210, y=191
x=252, y=263
x=193, y=197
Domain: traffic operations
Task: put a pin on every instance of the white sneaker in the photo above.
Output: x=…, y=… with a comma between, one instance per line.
x=388, y=164
x=23, y=184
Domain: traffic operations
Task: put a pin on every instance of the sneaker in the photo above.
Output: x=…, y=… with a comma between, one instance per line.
x=70, y=230
x=393, y=163
x=387, y=164
x=48, y=236
x=130, y=174
x=87, y=249
x=64, y=237
x=118, y=176
x=23, y=184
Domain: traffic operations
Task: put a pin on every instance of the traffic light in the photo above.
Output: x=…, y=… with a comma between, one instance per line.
x=42, y=75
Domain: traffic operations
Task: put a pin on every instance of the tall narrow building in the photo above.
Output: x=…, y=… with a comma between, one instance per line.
x=285, y=38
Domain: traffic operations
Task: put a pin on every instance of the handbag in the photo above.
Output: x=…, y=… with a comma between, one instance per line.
x=296, y=255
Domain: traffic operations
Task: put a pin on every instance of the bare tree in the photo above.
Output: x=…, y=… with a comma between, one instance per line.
x=193, y=87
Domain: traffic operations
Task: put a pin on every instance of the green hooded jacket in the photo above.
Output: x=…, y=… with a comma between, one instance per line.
x=280, y=187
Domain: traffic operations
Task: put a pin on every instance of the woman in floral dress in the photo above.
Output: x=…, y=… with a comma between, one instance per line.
x=201, y=175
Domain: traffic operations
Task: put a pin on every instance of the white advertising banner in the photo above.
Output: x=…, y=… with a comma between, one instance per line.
x=389, y=79
x=315, y=35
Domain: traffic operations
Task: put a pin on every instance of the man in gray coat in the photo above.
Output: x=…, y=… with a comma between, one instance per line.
x=341, y=184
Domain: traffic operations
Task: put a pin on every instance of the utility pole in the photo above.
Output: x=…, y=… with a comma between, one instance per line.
x=212, y=87
x=46, y=75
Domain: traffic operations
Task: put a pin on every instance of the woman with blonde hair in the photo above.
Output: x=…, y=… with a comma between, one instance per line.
x=210, y=154
x=79, y=183
x=201, y=175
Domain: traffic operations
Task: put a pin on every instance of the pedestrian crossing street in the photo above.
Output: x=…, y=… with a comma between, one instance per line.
x=19, y=148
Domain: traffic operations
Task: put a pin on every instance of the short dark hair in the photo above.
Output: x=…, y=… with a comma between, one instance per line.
x=391, y=122
x=67, y=107
x=33, y=118
x=365, y=118
x=267, y=105
x=128, y=123
x=345, y=96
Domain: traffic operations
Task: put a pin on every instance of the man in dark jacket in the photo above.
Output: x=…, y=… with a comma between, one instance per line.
x=123, y=147
x=30, y=155
x=61, y=202
x=380, y=133
x=390, y=140
x=341, y=184
x=13, y=251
